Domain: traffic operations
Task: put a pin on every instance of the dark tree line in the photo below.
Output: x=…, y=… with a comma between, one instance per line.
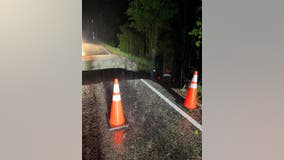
x=167, y=32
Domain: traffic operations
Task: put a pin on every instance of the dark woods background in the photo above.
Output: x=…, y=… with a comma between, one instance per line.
x=166, y=32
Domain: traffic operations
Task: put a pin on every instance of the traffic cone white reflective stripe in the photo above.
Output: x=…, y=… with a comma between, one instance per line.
x=116, y=97
x=116, y=115
x=191, y=97
x=193, y=83
x=116, y=88
x=194, y=78
x=116, y=93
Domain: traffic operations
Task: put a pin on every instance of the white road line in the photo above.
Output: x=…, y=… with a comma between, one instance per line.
x=107, y=50
x=190, y=119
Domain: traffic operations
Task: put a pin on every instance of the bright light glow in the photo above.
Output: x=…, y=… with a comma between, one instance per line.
x=83, y=53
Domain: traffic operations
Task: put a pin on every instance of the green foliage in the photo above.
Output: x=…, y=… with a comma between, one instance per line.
x=197, y=33
x=146, y=14
x=130, y=41
x=143, y=63
x=199, y=89
x=149, y=17
x=197, y=30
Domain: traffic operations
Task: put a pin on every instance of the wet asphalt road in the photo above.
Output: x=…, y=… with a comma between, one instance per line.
x=96, y=57
x=155, y=130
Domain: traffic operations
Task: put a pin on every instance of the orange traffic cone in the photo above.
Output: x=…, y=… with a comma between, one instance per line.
x=116, y=115
x=191, y=97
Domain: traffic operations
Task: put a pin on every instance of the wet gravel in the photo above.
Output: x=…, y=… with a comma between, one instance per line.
x=90, y=137
x=155, y=131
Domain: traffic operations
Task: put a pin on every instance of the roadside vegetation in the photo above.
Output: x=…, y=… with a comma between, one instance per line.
x=164, y=35
x=147, y=20
x=143, y=63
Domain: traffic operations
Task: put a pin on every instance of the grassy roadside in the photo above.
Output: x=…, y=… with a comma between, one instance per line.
x=143, y=63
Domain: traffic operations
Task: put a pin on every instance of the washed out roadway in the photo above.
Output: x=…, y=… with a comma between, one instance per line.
x=155, y=130
x=96, y=57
